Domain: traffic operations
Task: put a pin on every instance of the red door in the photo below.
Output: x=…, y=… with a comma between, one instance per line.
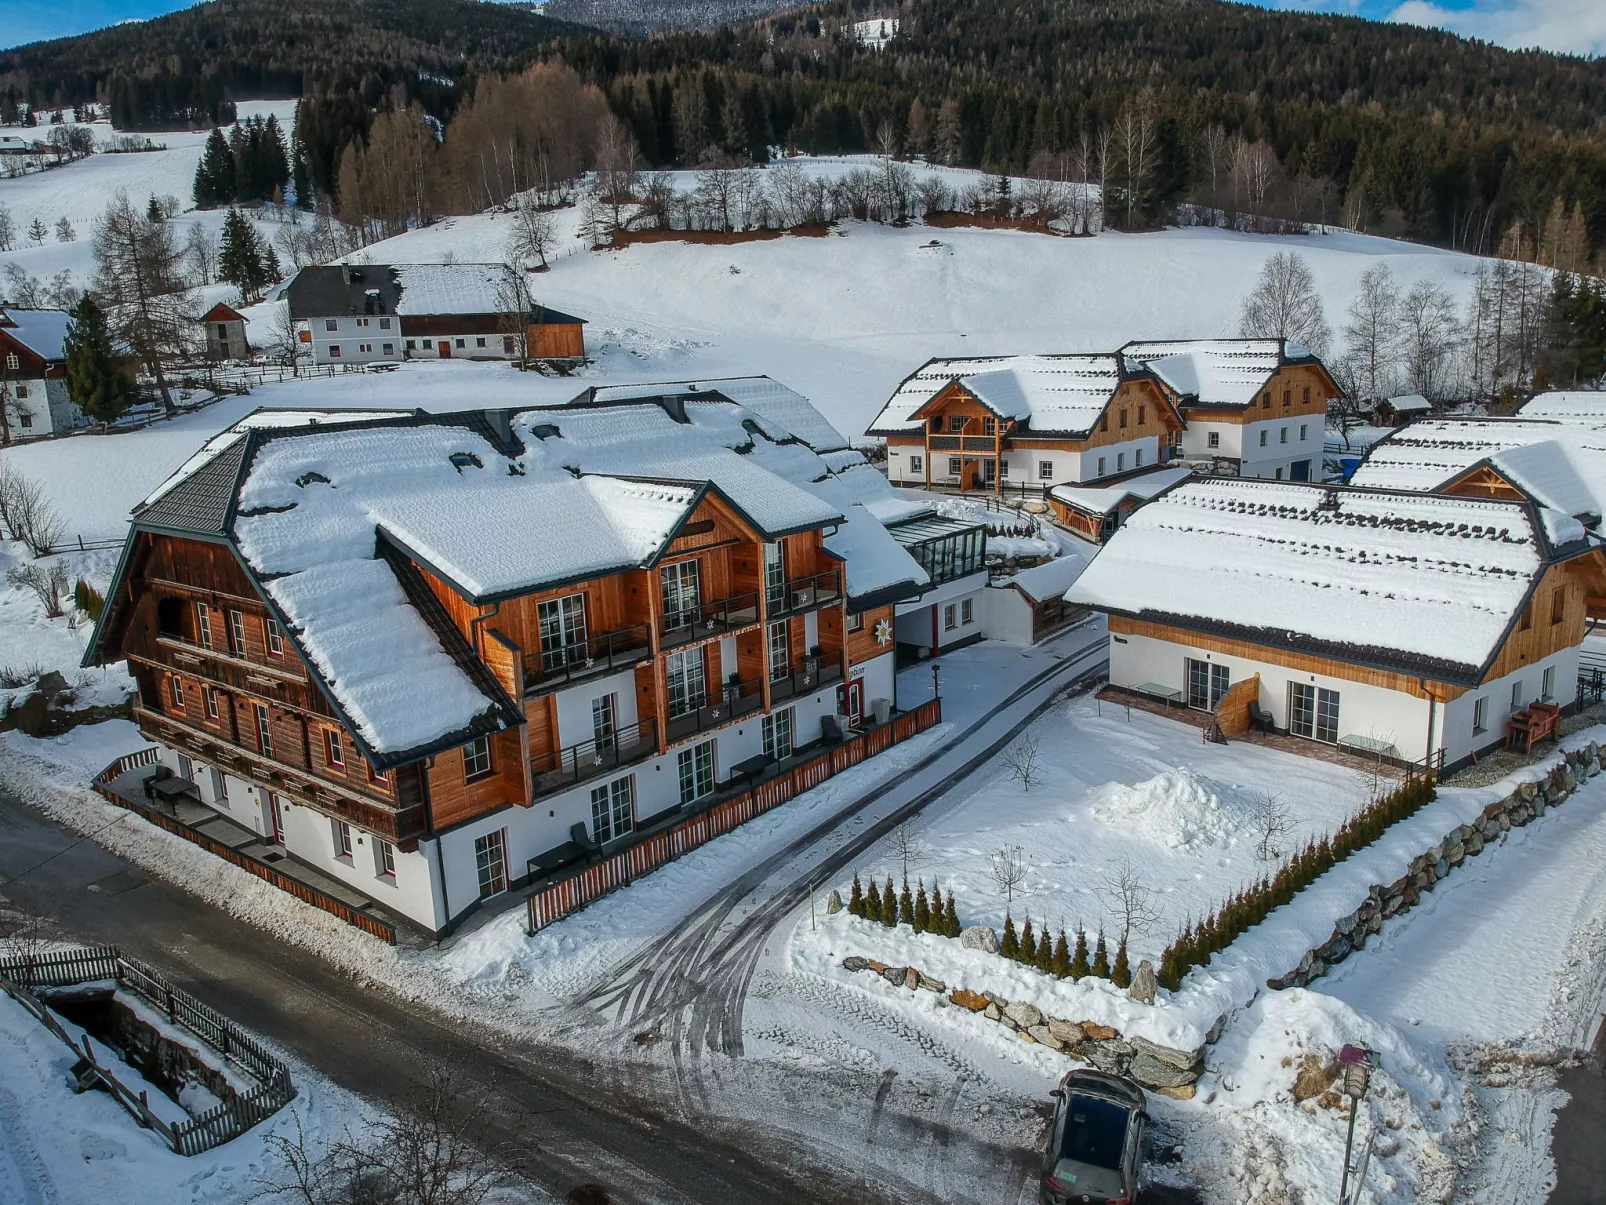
x=446, y=349
x=850, y=699
x=274, y=810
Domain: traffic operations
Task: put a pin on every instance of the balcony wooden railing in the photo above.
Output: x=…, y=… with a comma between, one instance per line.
x=810, y=676
x=552, y=668
x=707, y=619
x=735, y=699
x=804, y=594
x=188, y=651
x=400, y=825
x=562, y=768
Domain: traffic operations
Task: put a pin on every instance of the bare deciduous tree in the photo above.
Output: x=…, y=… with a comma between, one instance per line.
x=1009, y=868
x=1273, y=823
x=1021, y=760
x=22, y=929
x=284, y=344
x=1372, y=333
x=1430, y=334
x=906, y=847
x=27, y=513
x=1129, y=900
x=200, y=253
x=141, y=283
x=534, y=233
x=50, y=585
x=1284, y=304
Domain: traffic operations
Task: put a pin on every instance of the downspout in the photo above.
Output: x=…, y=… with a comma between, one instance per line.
x=440, y=859
x=1432, y=701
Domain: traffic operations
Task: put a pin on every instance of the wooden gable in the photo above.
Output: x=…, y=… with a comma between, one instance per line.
x=952, y=401
x=29, y=362
x=223, y=313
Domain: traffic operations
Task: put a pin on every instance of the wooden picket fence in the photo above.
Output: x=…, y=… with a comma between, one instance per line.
x=559, y=899
x=304, y=892
x=228, y=1119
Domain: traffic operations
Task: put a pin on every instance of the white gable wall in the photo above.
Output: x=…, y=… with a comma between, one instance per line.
x=351, y=335
x=39, y=407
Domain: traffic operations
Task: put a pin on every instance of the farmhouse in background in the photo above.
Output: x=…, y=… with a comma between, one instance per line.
x=434, y=658
x=1252, y=407
x=1397, y=411
x=368, y=313
x=1026, y=423
x=1405, y=626
x=1096, y=512
x=33, y=374
x=225, y=334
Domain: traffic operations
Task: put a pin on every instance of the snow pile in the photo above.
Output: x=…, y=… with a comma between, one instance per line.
x=1179, y=809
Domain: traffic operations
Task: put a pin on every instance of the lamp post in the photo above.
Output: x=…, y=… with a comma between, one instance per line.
x=936, y=681
x=1357, y=1064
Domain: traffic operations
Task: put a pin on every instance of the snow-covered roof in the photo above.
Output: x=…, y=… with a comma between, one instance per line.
x=764, y=396
x=43, y=332
x=1425, y=583
x=1215, y=372
x=1586, y=405
x=1049, y=393
x=428, y=289
x=1558, y=464
x=1102, y=499
x=1409, y=403
x=878, y=569
x=1049, y=580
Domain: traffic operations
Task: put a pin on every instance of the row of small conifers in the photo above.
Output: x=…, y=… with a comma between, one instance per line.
x=1197, y=942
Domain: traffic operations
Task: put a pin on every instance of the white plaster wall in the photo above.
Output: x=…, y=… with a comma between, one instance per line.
x=1086, y=469
x=47, y=407
x=1008, y=615
x=349, y=336
x=1456, y=726
x=574, y=705
x=879, y=678
x=428, y=347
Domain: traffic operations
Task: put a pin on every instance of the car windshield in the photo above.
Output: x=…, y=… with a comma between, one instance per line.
x=1095, y=1132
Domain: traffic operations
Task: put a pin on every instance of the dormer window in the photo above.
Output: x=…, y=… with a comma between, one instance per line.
x=466, y=460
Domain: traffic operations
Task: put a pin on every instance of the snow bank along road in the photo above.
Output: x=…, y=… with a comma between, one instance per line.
x=688, y=988
x=575, y=1122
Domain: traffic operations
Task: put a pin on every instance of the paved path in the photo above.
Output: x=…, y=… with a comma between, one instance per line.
x=577, y=1121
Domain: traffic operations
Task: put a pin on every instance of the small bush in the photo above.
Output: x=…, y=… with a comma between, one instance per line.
x=856, y=897
x=88, y=600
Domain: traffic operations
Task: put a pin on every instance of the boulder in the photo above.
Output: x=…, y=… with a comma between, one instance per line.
x=980, y=937
x=1007, y=1021
x=1144, y=983
x=1041, y=1033
x=1027, y=1038
x=1455, y=853
x=928, y=984
x=29, y=716
x=1180, y=1092
x=1023, y=1014
x=1474, y=844
x=1218, y=1028
x=1102, y=1057
x=1520, y=815
x=1098, y=1033
x=1411, y=898
x=833, y=902
x=1335, y=949
x=1525, y=791
x=992, y=1012
x=1395, y=903
x=895, y=975
x=1433, y=854
x=911, y=980
x=964, y=998
x=1569, y=780
x=1347, y=924
x=1152, y=1073
x=878, y=967
x=1182, y=1060
x=854, y=963
x=1067, y=1032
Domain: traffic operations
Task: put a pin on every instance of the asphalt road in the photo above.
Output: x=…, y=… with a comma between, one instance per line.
x=575, y=1121
x=1576, y=1143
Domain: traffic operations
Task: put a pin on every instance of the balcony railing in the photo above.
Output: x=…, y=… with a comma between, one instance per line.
x=603, y=654
x=813, y=674
x=708, y=619
x=804, y=594
x=944, y=443
x=980, y=443
x=735, y=699
x=563, y=768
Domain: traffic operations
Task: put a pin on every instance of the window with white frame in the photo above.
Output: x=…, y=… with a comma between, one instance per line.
x=1045, y=470
x=1213, y=439
x=331, y=324
x=1282, y=435
x=779, y=652
x=12, y=363
x=916, y=464
x=774, y=572
x=1516, y=695
x=334, y=351
x=362, y=322
x=1313, y=712
x=1100, y=471
x=209, y=697
x=956, y=423
x=177, y=685
x=1120, y=462
x=563, y=630
x=389, y=349
x=264, y=731
x=950, y=619
x=967, y=611
x=954, y=466
x=203, y=624
x=186, y=768
x=479, y=341
x=1480, y=715
x=366, y=349
x=778, y=734
x=460, y=343
x=680, y=593
x=384, y=324
x=334, y=749
x=989, y=426
x=342, y=833
x=220, y=790
x=490, y=860
x=1547, y=684
x=237, y=633
x=1263, y=435
x=695, y=769
x=613, y=810
x=1137, y=458
x=1302, y=427
x=683, y=672
x=477, y=759
x=855, y=621
x=604, y=727
x=275, y=638
x=384, y=859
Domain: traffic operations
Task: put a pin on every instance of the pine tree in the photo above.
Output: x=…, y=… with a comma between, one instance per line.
x=95, y=380
x=1009, y=947
x=1101, y=959
x=1061, y=964
x=856, y=897
x=214, y=175
x=872, y=902
x=37, y=231
x=1080, y=967
x=1121, y=973
x=937, y=925
x=922, y=909
x=906, y=906
x=1044, y=959
x=950, y=917
x=1028, y=943
x=153, y=210
x=889, y=905
x=239, y=260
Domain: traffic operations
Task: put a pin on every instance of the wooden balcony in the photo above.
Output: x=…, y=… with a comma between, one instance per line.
x=563, y=768
x=734, y=700
x=403, y=826
x=555, y=668
x=707, y=620
x=192, y=656
x=804, y=594
x=814, y=673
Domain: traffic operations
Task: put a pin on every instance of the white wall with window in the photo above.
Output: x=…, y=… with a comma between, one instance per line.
x=578, y=707
x=339, y=340
x=40, y=406
x=913, y=622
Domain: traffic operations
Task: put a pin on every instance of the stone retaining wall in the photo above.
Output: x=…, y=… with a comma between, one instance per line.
x=1158, y=1068
x=1528, y=802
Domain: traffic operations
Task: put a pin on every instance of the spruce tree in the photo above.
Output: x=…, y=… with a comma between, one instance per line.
x=153, y=210
x=889, y=905
x=922, y=909
x=37, y=231
x=1044, y=959
x=906, y=906
x=950, y=917
x=1028, y=943
x=937, y=925
x=1009, y=947
x=856, y=897
x=872, y=902
x=1121, y=972
x=1101, y=959
x=1061, y=964
x=95, y=380
x=239, y=260
x=1080, y=967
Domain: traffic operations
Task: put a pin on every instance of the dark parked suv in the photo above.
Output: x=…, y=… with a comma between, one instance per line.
x=1096, y=1141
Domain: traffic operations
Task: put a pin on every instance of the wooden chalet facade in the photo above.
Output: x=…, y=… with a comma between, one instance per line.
x=1025, y=423
x=1383, y=655
x=432, y=737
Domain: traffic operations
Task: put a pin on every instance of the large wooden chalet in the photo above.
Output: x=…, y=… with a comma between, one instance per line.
x=436, y=657
x=1411, y=627
x=1026, y=421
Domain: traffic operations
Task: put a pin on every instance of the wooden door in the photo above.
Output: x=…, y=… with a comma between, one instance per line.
x=850, y=701
x=446, y=349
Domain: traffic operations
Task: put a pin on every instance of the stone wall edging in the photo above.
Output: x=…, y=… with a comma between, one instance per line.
x=1526, y=803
